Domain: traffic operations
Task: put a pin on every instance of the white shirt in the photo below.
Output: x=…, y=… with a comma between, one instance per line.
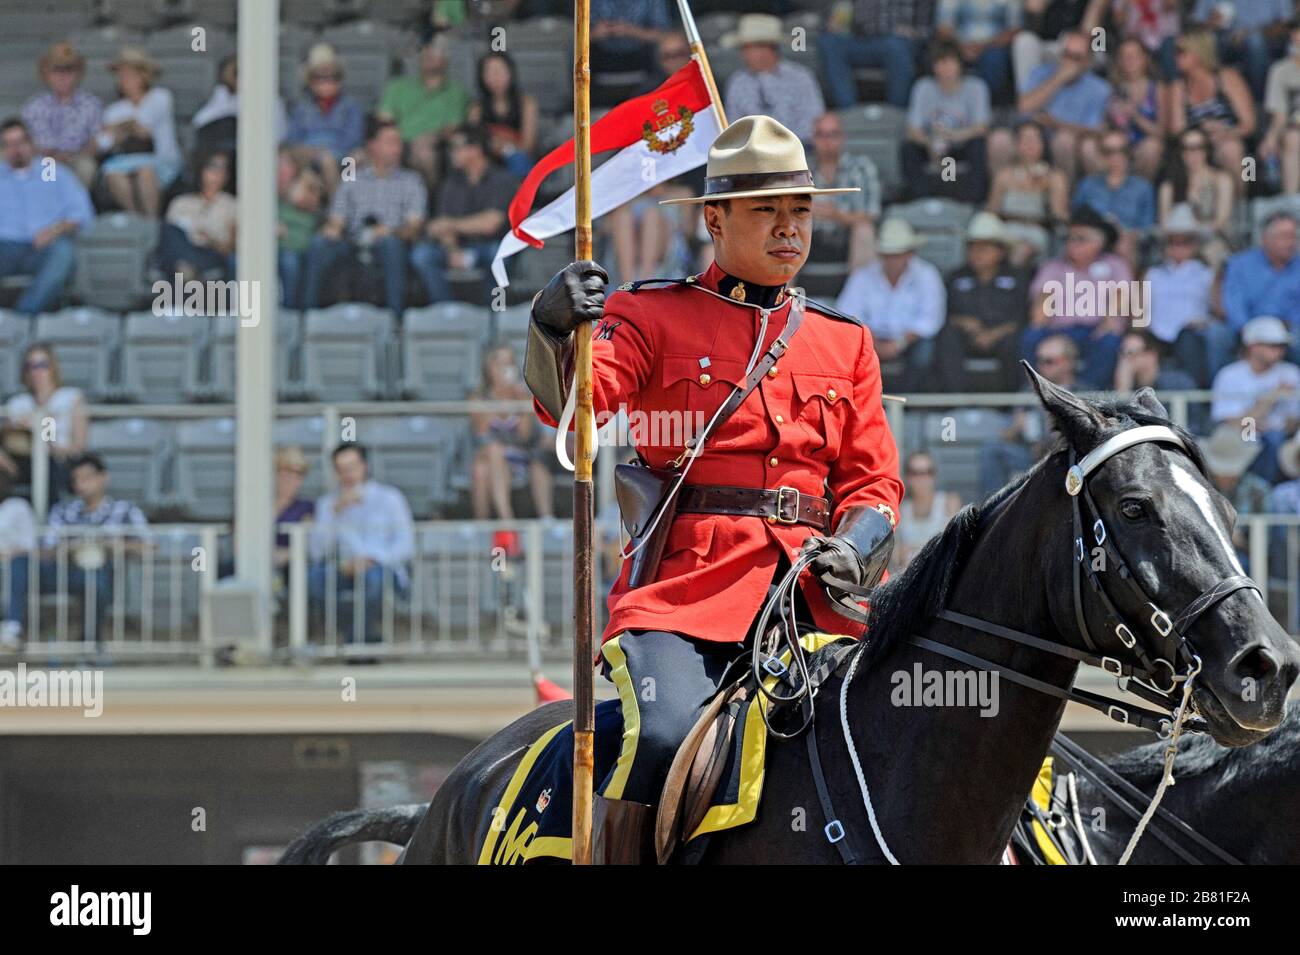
x=154, y=113
x=378, y=527
x=1237, y=388
x=916, y=304
x=1179, y=295
x=223, y=104
x=22, y=408
x=17, y=526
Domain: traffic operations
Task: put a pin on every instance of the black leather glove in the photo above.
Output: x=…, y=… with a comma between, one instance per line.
x=859, y=551
x=574, y=295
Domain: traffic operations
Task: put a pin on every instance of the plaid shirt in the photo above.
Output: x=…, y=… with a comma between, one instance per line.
x=883, y=17
x=390, y=200
x=62, y=127
x=110, y=512
x=854, y=170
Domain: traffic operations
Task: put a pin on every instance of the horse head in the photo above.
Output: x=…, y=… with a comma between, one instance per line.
x=1179, y=596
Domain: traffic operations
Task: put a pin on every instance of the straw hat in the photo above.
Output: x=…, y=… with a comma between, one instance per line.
x=1265, y=330
x=292, y=459
x=1227, y=453
x=987, y=227
x=322, y=56
x=1182, y=221
x=896, y=237
x=756, y=28
x=62, y=54
x=136, y=59
x=756, y=156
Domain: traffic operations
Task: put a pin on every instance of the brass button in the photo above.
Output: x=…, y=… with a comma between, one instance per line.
x=773, y=462
x=780, y=420
x=705, y=379
x=830, y=393
x=771, y=372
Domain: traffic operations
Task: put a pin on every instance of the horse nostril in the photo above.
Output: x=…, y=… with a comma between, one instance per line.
x=1257, y=663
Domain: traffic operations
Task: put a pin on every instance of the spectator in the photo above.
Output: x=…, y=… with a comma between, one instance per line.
x=137, y=144
x=925, y=511
x=1281, y=142
x=45, y=410
x=509, y=447
x=1258, y=394
x=1178, y=297
x=1213, y=99
x=987, y=308
x=901, y=298
x=768, y=84
x=982, y=30
x=1265, y=279
x=89, y=557
x=41, y=217
x=1252, y=33
x=298, y=218
x=509, y=113
x=844, y=225
x=1153, y=24
x=327, y=124
x=471, y=214
x=1026, y=435
x=363, y=533
x=1070, y=99
x=1030, y=197
x=372, y=218
x=624, y=38
x=17, y=543
x=426, y=107
x=1069, y=295
x=886, y=34
x=64, y=119
x=214, y=123
x=1139, y=366
x=946, y=119
x=1126, y=201
x=1045, y=22
x=1207, y=191
x=198, y=236
x=1227, y=456
x=1134, y=106
x=291, y=466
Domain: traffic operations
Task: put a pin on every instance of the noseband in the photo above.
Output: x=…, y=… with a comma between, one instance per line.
x=1165, y=659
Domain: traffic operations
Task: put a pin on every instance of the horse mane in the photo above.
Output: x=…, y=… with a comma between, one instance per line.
x=905, y=603
x=1198, y=754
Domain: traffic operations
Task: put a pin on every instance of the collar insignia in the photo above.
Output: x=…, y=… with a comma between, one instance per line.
x=738, y=292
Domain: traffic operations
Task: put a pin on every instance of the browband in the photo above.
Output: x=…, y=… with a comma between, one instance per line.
x=1095, y=458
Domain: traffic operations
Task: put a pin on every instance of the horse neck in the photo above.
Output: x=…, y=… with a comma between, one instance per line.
x=948, y=783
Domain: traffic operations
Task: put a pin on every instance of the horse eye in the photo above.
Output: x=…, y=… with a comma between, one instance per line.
x=1133, y=510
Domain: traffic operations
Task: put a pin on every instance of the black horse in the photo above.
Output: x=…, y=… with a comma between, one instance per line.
x=946, y=783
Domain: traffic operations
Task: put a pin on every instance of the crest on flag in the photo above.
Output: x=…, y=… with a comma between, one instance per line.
x=666, y=132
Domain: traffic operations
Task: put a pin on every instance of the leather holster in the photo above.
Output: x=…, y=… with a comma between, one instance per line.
x=642, y=493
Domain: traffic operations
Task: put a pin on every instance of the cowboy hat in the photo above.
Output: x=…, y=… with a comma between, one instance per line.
x=756, y=28
x=1090, y=218
x=322, y=56
x=62, y=54
x=136, y=59
x=1227, y=453
x=897, y=236
x=987, y=227
x=756, y=156
x=1182, y=221
x=1265, y=330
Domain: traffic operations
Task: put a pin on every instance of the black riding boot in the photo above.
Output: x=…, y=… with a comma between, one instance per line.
x=622, y=832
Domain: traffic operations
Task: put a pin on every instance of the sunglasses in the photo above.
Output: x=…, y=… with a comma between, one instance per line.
x=1181, y=240
x=922, y=472
x=37, y=365
x=1193, y=147
x=1051, y=359
x=1133, y=352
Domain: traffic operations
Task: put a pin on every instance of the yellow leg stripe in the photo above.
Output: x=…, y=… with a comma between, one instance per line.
x=1042, y=797
x=499, y=822
x=631, y=717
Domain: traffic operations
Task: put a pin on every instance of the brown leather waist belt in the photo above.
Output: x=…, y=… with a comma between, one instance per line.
x=783, y=505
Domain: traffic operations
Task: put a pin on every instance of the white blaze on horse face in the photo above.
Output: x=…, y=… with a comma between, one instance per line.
x=1200, y=495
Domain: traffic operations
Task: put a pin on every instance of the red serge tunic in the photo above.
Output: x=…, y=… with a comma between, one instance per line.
x=815, y=421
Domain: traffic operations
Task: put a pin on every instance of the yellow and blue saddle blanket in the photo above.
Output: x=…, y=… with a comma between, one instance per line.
x=532, y=821
x=1044, y=835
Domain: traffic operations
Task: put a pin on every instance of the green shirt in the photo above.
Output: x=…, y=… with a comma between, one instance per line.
x=418, y=109
x=299, y=227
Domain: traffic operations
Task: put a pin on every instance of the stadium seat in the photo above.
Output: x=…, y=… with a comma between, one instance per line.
x=205, y=469
x=295, y=41
x=400, y=13
x=308, y=13
x=139, y=454
x=161, y=596
x=219, y=382
x=942, y=222
x=343, y=348
x=160, y=356
x=875, y=130
x=112, y=258
x=188, y=73
x=414, y=453
x=442, y=350
x=85, y=341
x=511, y=325
x=14, y=332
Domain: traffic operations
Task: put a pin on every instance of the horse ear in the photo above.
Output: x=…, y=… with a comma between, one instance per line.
x=1076, y=418
x=1146, y=399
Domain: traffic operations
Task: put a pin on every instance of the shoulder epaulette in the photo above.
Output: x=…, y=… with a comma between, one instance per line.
x=830, y=312
x=636, y=286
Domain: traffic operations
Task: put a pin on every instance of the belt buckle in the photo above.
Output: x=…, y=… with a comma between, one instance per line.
x=779, y=516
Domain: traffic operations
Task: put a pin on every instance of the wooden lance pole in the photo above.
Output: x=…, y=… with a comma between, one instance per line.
x=584, y=712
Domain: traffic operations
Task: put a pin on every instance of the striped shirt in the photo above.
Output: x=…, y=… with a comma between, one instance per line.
x=109, y=512
x=883, y=17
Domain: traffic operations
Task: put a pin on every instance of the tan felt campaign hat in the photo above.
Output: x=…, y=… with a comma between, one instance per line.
x=756, y=156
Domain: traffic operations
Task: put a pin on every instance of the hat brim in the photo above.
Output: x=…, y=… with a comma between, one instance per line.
x=746, y=193
x=1003, y=239
x=900, y=250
